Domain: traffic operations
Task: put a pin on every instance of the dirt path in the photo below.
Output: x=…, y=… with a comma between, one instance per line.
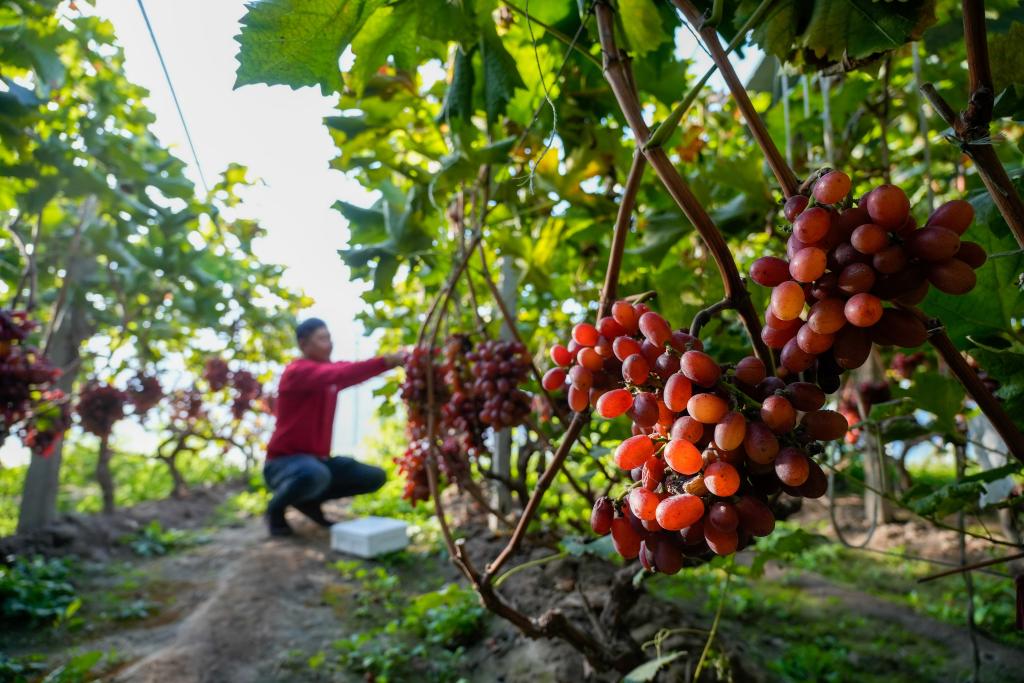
x=239, y=606
x=244, y=608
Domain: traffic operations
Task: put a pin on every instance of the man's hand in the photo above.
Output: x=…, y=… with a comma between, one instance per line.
x=395, y=359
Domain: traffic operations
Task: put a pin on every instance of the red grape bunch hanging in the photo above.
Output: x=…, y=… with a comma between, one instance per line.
x=24, y=372
x=845, y=262
x=712, y=445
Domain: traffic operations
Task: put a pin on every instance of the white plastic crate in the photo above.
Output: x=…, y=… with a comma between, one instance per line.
x=369, y=536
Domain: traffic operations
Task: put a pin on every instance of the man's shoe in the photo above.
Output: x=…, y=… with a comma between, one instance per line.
x=314, y=512
x=276, y=524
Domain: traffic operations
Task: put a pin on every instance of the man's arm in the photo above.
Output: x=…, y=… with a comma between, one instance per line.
x=342, y=374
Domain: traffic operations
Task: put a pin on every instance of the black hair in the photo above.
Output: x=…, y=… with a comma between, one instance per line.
x=306, y=328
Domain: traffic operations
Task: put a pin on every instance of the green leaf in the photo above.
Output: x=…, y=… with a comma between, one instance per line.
x=458, y=99
x=643, y=26
x=997, y=298
x=884, y=411
x=298, y=42
x=501, y=76
x=939, y=395
x=783, y=544
x=648, y=670
x=1007, y=58
x=824, y=32
x=397, y=31
x=602, y=547
x=1007, y=365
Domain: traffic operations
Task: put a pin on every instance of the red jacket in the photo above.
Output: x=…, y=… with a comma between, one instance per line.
x=306, y=398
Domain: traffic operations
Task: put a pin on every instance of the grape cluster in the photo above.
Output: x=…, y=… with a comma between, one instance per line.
x=247, y=389
x=46, y=423
x=412, y=466
x=99, y=407
x=216, y=373
x=475, y=388
x=845, y=261
x=462, y=415
x=499, y=367
x=711, y=445
x=415, y=392
x=24, y=372
x=186, y=404
x=144, y=392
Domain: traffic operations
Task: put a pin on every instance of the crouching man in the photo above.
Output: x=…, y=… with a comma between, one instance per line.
x=299, y=469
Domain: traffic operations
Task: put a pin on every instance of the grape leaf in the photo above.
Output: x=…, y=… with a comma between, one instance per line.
x=648, y=670
x=997, y=298
x=412, y=32
x=501, y=77
x=824, y=32
x=1006, y=365
x=939, y=395
x=1007, y=59
x=298, y=42
x=643, y=26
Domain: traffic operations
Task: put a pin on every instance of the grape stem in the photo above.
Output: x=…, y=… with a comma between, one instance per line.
x=619, y=77
x=783, y=173
x=971, y=567
x=988, y=403
x=568, y=439
x=971, y=127
x=665, y=129
x=704, y=315
x=622, y=223
x=526, y=565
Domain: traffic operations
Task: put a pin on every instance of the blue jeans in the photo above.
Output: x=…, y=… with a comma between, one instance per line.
x=306, y=479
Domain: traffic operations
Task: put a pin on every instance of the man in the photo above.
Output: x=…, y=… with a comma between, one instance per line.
x=299, y=469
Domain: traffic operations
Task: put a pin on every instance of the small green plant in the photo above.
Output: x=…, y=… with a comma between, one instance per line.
x=154, y=540
x=36, y=590
x=448, y=617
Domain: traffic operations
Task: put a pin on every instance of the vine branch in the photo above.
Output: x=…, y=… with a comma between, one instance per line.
x=783, y=173
x=622, y=223
x=971, y=127
x=619, y=76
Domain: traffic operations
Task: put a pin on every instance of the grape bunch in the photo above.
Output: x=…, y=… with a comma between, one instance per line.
x=24, y=372
x=247, y=389
x=186, y=404
x=461, y=415
x=844, y=263
x=499, y=367
x=144, y=392
x=416, y=395
x=412, y=466
x=46, y=423
x=414, y=390
x=711, y=446
x=99, y=407
x=216, y=373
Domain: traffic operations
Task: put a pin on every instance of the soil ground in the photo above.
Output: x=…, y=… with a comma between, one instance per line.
x=245, y=608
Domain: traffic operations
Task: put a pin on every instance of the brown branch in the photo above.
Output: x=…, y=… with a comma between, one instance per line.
x=552, y=624
x=971, y=567
x=619, y=77
x=783, y=173
x=622, y=223
x=568, y=439
x=971, y=127
x=979, y=72
x=704, y=315
x=988, y=403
